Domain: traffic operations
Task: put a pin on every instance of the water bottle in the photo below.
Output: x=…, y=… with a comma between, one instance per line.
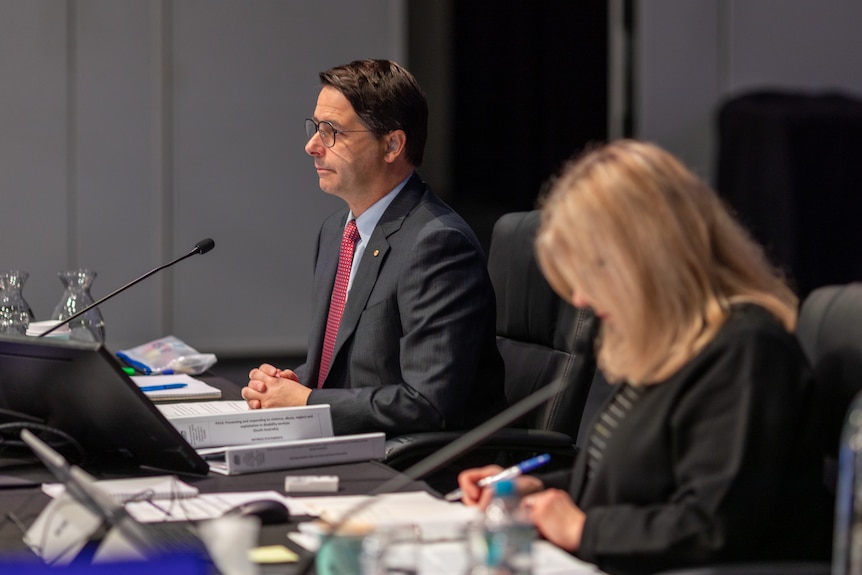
x=847, y=540
x=508, y=533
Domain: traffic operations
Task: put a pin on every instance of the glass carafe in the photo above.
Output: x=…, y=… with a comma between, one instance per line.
x=90, y=326
x=15, y=312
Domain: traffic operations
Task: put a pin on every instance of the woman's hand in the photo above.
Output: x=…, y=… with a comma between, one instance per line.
x=472, y=494
x=556, y=517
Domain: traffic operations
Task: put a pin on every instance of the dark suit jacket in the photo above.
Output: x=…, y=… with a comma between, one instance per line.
x=416, y=350
x=720, y=462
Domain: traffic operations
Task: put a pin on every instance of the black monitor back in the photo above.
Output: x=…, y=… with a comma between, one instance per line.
x=81, y=389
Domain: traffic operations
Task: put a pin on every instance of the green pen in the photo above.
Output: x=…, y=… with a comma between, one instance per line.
x=129, y=370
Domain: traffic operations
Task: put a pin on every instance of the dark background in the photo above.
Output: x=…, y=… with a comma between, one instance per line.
x=527, y=89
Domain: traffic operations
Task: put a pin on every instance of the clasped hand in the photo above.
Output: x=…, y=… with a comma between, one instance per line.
x=552, y=511
x=269, y=386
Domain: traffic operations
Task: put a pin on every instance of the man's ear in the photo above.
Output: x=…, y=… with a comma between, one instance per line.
x=396, y=141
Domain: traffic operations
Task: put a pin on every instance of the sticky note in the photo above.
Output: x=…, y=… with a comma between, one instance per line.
x=272, y=554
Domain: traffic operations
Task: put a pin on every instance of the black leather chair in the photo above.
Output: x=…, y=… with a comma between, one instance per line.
x=539, y=335
x=541, y=339
x=830, y=332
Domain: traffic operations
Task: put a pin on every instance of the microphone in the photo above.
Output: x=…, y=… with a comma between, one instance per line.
x=479, y=434
x=201, y=247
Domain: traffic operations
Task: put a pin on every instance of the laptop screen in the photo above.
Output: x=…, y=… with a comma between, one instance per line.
x=81, y=389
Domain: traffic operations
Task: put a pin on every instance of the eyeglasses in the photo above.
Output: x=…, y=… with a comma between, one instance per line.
x=326, y=130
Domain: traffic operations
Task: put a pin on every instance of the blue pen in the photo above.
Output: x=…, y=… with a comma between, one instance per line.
x=510, y=473
x=163, y=386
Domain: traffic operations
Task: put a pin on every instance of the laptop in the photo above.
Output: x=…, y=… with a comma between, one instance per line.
x=131, y=538
x=80, y=389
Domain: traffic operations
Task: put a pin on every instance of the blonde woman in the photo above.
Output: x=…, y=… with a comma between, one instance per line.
x=708, y=450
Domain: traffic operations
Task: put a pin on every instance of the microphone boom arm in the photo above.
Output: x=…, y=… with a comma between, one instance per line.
x=201, y=247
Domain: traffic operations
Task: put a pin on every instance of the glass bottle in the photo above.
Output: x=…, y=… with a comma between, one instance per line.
x=15, y=312
x=91, y=325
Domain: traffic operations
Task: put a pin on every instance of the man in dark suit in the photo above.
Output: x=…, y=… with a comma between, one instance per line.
x=403, y=314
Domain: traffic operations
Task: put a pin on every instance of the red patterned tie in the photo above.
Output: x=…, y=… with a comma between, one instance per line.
x=339, y=296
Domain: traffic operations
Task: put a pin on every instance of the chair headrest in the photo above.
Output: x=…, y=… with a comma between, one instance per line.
x=829, y=329
x=831, y=319
x=528, y=309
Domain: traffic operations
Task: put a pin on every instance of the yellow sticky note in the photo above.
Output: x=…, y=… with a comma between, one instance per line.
x=272, y=554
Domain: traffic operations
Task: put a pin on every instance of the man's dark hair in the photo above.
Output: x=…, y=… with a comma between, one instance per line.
x=386, y=97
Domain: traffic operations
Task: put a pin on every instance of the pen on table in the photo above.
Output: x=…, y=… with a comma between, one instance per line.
x=509, y=473
x=163, y=386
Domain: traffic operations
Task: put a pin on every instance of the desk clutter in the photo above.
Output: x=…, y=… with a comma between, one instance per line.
x=415, y=532
x=110, y=421
x=117, y=519
x=141, y=519
x=167, y=355
x=161, y=421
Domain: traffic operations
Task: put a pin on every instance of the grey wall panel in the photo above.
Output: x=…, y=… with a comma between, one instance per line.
x=34, y=221
x=130, y=130
x=116, y=150
x=692, y=54
x=810, y=46
x=245, y=77
x=677, y=77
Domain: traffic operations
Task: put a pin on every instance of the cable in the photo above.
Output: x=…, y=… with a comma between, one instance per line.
x=64, y=439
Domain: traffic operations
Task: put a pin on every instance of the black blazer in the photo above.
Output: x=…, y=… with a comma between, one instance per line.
x=416, y=350
x=719, y=463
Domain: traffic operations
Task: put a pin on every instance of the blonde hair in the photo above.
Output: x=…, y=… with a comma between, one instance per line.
x=645, y=240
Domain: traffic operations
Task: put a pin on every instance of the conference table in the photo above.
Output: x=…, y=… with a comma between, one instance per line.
x=22, y=498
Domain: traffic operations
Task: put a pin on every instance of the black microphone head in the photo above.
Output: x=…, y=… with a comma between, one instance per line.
x=204, y=245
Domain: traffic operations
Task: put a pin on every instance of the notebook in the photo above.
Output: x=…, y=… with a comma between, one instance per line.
x=192, y=388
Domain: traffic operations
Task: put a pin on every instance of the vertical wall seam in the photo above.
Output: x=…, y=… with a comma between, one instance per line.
x=725, y=47
x=164, y=156
x=398, y=41
x=616, y=64
x=72, y=240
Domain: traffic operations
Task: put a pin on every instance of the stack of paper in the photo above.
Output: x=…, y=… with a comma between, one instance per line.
x=386, y=508
x=222, y=423
x=136, y=488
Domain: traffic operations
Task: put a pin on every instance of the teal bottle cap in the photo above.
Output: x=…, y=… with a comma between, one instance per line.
x=504, y=488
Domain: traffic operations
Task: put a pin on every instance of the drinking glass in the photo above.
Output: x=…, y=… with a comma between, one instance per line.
x=392, y=550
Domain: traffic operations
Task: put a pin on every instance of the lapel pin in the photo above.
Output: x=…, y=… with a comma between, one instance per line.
x=376, y=253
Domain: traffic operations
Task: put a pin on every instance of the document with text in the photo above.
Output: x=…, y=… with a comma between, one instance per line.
x=224, y=423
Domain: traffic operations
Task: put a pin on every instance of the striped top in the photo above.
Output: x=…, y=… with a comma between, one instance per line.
x=607, y=423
